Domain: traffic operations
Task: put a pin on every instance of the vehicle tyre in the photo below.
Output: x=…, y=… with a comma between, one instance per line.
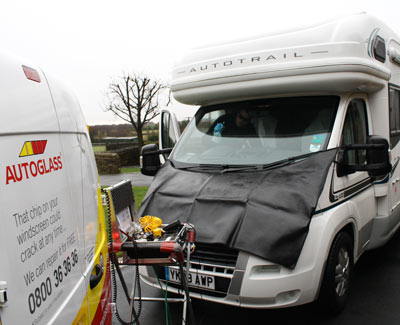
x=338, y=273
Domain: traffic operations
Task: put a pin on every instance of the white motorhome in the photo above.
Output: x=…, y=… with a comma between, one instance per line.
x=276, y=227
x=54, y=248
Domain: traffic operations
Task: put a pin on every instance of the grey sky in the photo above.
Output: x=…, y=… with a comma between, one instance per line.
x=86, y=43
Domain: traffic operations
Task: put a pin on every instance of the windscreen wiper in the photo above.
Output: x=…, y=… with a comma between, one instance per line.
x=232, y=169
x=202, y=167
x=279, y=163
x=242, y=168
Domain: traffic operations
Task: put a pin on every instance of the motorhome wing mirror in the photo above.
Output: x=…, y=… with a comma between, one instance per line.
x=377, y=158
x=150, y=159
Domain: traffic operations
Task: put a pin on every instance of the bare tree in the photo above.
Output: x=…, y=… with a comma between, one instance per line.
x=137, y=99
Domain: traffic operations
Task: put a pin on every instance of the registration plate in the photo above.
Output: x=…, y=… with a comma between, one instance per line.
x=194, y=279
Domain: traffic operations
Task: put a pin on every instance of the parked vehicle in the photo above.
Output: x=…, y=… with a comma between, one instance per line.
x=53, y=238
x=285, y=206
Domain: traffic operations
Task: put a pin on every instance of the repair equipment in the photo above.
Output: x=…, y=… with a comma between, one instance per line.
x=145, y=241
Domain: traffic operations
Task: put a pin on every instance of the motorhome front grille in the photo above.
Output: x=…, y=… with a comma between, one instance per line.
x=217, y=255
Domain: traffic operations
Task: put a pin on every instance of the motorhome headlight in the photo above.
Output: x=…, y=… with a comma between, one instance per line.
x=264, y=271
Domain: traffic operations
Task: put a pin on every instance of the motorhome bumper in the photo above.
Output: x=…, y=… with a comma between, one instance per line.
x=258, y=283
x=259, y=290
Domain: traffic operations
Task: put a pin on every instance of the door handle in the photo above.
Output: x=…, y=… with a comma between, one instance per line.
x=95, y=278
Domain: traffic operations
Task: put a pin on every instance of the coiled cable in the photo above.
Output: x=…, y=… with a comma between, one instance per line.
x=112, y=269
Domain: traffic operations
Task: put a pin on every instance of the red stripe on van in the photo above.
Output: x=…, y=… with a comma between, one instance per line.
x=35, y=147
x=103, y=313
x=39, y=146
x=43, y=144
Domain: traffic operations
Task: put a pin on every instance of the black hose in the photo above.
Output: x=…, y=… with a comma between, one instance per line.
x=185, y=287
x=137, y=285
x=112, y=269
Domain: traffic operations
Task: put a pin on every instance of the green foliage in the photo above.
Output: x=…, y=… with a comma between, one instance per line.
x=139, y=192
x=99, y=132
x=153, y=138
x=99, y=148
x=125, y=170
x=183, y=124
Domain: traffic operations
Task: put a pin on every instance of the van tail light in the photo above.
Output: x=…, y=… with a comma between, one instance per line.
x=31, y=74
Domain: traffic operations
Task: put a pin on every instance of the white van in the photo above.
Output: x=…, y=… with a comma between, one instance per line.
x=289, y=169
x=53, y=240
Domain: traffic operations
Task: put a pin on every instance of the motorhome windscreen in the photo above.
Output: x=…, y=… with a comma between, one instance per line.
x=257, y=131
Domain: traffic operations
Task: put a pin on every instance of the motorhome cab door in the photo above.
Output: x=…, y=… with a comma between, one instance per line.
x=357, y=187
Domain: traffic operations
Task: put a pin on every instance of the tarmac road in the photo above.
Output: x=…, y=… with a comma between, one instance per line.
x=137, y=179
x=374, y=299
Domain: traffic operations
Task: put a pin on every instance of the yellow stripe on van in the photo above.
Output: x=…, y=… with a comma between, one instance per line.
x=24, y=151
x=92, y=301
x=29, y=148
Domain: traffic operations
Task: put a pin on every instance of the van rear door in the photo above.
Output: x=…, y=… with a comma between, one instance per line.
x=85, y=193
x=40, y=238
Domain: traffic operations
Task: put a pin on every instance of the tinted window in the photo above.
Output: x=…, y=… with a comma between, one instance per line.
x=394, y=115
x=258, y=131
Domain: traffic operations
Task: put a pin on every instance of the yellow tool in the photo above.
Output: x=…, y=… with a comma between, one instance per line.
x=151, y=224
x=157, y=232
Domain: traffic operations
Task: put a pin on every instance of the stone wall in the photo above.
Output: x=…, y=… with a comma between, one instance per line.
x=107, y=162
x=128, y=156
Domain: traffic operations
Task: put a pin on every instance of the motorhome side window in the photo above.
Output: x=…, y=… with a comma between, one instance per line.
x=394, y=115
x=355, y=131
x=258, y=131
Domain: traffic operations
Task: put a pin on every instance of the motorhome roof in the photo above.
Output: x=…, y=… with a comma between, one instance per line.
x=340, y=45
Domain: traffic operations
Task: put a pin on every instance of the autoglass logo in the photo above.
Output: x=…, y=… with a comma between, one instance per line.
x=28, y=169
x=31, y=148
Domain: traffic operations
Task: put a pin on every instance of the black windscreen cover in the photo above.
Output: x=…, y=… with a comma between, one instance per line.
x=265, y=213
